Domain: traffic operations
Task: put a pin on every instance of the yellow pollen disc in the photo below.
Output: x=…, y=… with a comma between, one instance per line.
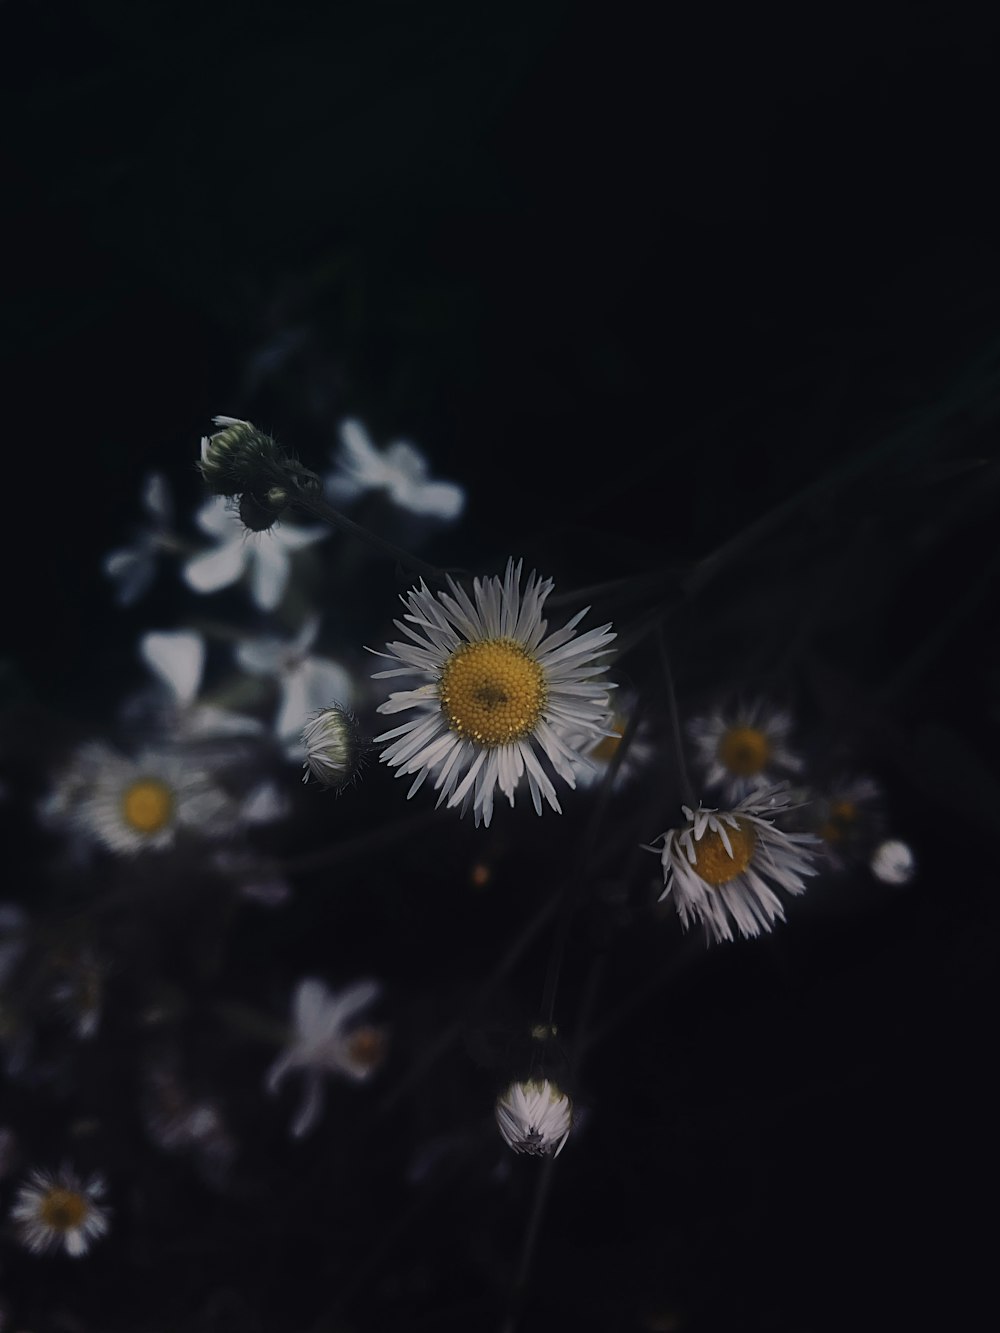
x=367, y=1047
x=744, y=751
x=147, y=805
x=714, y=864
x=492, y=692
x=604, y=750
x=62, y=1210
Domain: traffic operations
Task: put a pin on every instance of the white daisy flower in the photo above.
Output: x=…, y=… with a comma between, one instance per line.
x=535, y=1117
x=266, y=556
x=718, y=865
x=132, y=568
x=893, y=862
x=496, y=687
x=743, y=750
x=54, y=1209
x=400, y=470
x=130, y=805
x=325, y=1040
x=306, y=683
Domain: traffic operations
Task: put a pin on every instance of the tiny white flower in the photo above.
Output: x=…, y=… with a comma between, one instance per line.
x=266, y=556
x=132, y=568
x=400, y=470
x=60, y=1209
x=326, y=1040
x=717, y=866
x=177, y=659
x=498, y=693
x=306, y=683
x=893, y=862
x=743, y=750
x=534, y=1117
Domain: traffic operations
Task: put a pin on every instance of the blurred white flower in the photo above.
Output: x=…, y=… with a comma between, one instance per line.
x=893, y=862
x=325, y=1040
x=534, y=1117
x=177, y=659
x=306, y=683
x=265, y=556
x=131, y=568
x=400, y=470
x=743, y=750
x=54, y=1209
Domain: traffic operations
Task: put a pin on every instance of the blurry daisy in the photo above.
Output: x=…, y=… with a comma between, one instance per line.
x=718, y=866
x=326, y=1040
x=306, y=683
x=497, y=690
x=131, y=805
x=534, y=1117
x=132, y=568
x=59, y=1209
x=743, y=750
x=893, y=862
x=847, y=817
x=177, y=659
x=598, y=757
x=266, y=556
x=400, y=470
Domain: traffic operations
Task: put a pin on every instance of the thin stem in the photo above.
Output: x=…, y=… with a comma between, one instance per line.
x=320, y=509
x=687, y=791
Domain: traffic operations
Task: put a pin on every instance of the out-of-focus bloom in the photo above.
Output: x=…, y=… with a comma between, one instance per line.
x=132, y=568
x=306, y=683
x=893, y=862
x=177, y=659
x=720, y=865
x=326, y=1040
x=266, y=556
x=496, y=687
x=847, y=817
x=131, y=805
x=535, y=1117
x=744, y=750
x=400, y=470
x=178, y=1123
x=333, y=747
x=59, y=1209
x=599, y=757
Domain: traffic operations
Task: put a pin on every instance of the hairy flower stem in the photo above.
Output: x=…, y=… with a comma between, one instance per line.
x=326, y=513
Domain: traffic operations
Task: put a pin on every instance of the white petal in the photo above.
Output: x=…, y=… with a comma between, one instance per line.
x=216, y=569
x=268, y=572
x=217, y=519
x=178, y=658
x=156, y=499
x=264, y=656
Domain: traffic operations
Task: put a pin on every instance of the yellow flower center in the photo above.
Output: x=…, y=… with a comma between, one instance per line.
x=604, y=750
x=714, y=864
x=367, y=1046
x=492, y=692
x=838, y=823
x=744, y=751
x=147, y=805
x=62, y=1209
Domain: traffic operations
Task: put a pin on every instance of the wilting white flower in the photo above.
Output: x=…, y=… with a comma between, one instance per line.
x=893, y=862
x=132, y=568
x=400, y=470
x=130, y=805
x=59, y=1209
x=535, y=1117
x=717, y=866
x=496, y=687
x=326, y=1040
x=743, y=750
x=333, y=747
x=266, y=556
x=306, y=683
x=177, y=659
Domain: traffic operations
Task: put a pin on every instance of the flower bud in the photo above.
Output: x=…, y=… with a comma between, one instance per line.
x=241, y=460
x=534, y=1117
x=259, y=513
x=333, y=747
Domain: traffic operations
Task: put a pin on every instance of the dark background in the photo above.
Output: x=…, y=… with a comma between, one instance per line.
x=633, y=283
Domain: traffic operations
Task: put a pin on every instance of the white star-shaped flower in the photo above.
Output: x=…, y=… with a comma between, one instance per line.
x=266, y=556
x=400, y=470
x=177, y=659
x=307, y=683
x=131, y=568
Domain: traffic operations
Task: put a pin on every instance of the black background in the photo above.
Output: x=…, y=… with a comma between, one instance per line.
x=634, y=283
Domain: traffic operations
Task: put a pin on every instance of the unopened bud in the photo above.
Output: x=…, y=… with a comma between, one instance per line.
x=242, y=460
x=534, y=1117
x=258, y=513
x=333, y=747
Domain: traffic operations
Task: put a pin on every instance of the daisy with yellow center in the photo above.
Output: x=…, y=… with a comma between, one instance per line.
x=849, y=818
x=59, y=1209
x=501, y=699
x=743, y=750
x=719, y=868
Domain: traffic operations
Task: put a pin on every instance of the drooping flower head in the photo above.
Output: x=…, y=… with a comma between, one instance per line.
x=719, y=867
x=334, y=749
x=534, y=1117
x=59, y=1209
x=499, y=694
x=743, y=750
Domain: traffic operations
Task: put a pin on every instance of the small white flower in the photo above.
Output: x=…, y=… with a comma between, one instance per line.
x=177, y=659
x=129, y=805
x=267, y=555
x=54, y=1209
x=306, y=683
x=717, y=866
x=400, y=470
x=743, y=750
x=495, y=688
x=325, y=1040
x=132, y=568
x=534, y=1117
x=893, y=862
